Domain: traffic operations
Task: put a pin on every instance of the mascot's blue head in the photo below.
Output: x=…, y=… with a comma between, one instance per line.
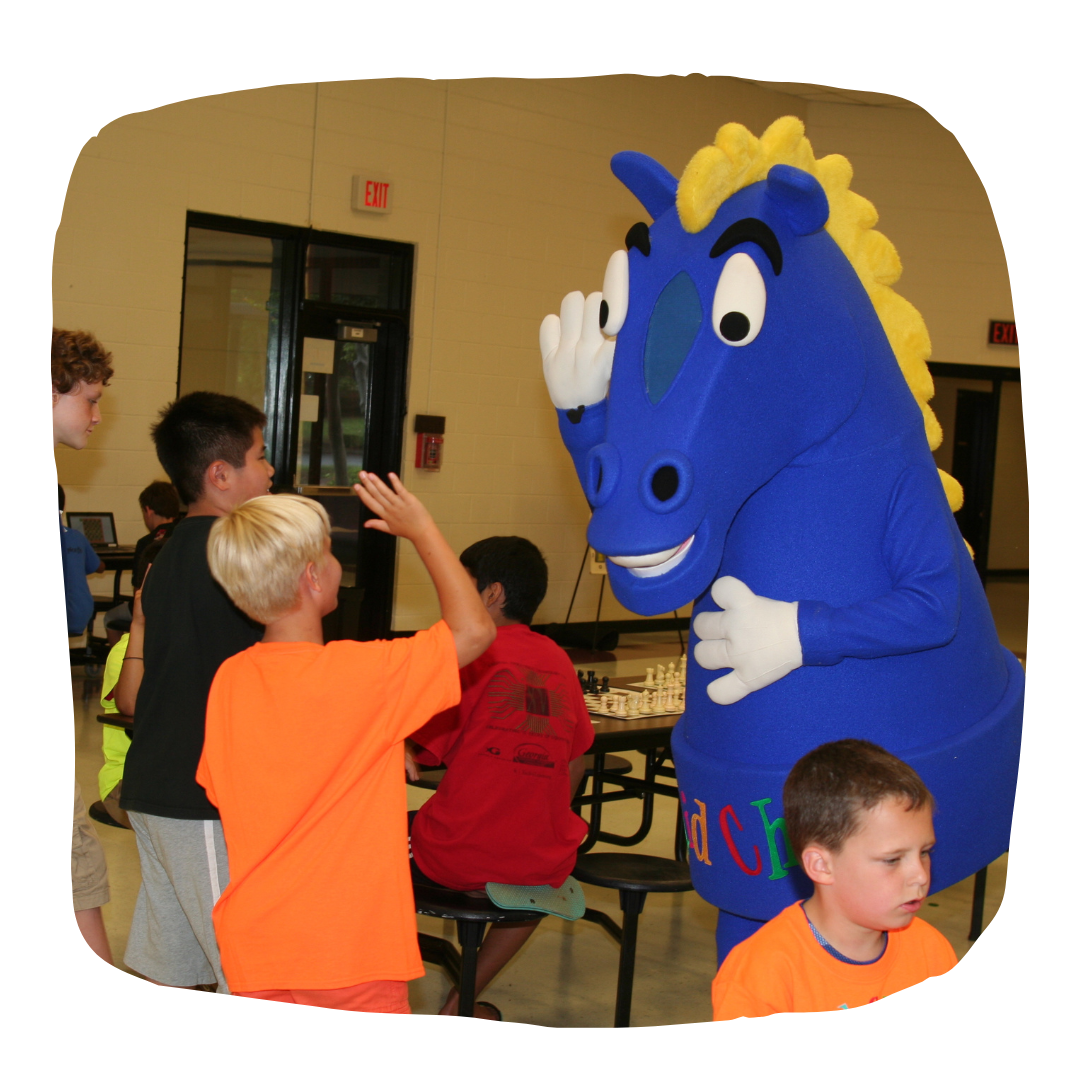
x=745, y=343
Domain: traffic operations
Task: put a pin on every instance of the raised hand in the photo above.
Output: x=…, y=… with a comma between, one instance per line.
x=577, y=356
x=399, y=511
x=756, y=637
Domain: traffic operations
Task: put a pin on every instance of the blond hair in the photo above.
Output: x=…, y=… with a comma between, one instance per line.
x=258, y=552
x=737, y=159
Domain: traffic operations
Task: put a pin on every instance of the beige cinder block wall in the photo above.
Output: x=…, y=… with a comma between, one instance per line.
x=504, y=188
x=934, y=209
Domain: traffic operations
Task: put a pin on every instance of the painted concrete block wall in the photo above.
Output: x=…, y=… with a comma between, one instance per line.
x=504, y=188
x=933, y=207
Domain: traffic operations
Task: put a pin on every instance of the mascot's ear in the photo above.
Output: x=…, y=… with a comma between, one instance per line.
x=648, y=180
x=799, y=197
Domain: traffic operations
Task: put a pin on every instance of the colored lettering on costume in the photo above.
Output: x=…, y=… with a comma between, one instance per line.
x=685, y=817
x=844, y=1006
x=698, y=834
x=779, y=870
x=727, y=812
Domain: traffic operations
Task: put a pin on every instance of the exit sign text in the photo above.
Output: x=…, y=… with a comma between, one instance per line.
x=371, y=194
x=1002, y=333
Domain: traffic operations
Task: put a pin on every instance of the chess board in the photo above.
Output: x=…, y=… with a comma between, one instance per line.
x=592, y=703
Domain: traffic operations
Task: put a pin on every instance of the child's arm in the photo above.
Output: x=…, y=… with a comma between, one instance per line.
x=131, y=673
x=577, y=772
x=401, y=513
x=411, y=770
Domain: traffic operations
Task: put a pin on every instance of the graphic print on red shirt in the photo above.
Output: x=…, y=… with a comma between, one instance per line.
x=502, y=811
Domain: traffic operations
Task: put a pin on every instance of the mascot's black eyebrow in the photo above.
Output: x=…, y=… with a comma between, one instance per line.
x=754, y=231
x=638, y=237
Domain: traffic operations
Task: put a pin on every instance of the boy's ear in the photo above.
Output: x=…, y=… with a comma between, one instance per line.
x=218, y=474
x=817, y=864
x=310, y=577
x=494, y=595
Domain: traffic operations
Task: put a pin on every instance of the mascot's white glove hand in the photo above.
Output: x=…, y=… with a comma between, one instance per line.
x=755, y=636
x=577, y=356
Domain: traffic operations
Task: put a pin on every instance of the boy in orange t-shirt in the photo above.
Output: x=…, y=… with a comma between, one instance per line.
x=319, y=907
x=861, y=821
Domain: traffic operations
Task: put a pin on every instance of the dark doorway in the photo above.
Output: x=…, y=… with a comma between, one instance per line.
x=313, y=327
x=979, y=408
x=974, y=447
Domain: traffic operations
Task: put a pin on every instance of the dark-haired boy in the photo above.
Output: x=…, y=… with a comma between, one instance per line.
x=160, y=507
x=861, y=822
x=513, y=754
x=211, y=447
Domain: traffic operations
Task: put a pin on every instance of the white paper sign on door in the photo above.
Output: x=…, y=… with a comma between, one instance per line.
x=319, y=356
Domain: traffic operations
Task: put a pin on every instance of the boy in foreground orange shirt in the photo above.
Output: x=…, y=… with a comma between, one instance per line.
x=319, y=906
x=861, y=821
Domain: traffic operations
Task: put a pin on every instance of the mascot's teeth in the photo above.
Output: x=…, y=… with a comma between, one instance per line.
x=659, y=562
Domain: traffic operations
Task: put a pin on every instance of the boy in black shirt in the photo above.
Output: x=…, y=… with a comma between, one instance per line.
x=211, y=446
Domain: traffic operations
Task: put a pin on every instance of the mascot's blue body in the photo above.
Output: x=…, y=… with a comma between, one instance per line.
x=761, y=451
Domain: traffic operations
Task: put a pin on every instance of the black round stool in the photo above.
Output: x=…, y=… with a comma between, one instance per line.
x=471, y=913
x=635, y=876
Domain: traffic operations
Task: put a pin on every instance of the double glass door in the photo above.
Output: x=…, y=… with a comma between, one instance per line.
x=312, y=328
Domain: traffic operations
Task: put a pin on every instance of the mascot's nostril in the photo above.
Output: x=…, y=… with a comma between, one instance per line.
x=599, y=479
x=665, y=482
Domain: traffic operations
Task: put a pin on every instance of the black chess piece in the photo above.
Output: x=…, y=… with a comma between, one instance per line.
x=592, y=685
x=604, y=687
x=582, y=683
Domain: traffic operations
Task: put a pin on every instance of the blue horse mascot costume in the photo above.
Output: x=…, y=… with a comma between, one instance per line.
x=746, y=407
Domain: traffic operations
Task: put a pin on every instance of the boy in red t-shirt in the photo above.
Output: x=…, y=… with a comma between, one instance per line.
x=319, y=907
x=861, y=821
x=513, y=755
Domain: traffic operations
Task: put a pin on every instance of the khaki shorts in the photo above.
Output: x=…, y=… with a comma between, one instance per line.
x=89, y=875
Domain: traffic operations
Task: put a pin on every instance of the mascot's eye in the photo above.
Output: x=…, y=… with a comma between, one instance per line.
x=739, y=304
x=616, y=293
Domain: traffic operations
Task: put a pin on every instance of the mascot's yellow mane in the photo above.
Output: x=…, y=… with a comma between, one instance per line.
x=737, y=159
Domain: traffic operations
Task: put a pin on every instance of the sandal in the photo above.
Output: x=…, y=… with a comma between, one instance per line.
x=493, y=1008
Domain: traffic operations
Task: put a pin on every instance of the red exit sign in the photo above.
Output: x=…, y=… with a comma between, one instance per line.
x=1002, y=333
x=371, y=193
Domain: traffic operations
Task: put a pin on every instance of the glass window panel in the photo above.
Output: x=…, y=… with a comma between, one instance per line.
x=355, y=278
x=231, y=303
x=343, y=509
x=334, y=414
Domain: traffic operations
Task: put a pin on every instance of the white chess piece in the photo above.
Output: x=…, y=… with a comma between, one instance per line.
x=621, y=705
x=649, y=676
x=635, y=705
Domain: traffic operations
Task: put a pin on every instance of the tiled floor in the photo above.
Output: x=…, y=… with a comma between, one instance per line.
x=565, y=975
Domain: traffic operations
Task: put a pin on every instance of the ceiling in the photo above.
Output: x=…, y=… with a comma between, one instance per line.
x=835, y=95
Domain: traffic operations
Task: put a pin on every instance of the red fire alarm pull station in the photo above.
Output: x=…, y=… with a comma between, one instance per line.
x=429, y=441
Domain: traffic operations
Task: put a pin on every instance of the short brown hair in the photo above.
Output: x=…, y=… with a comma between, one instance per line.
x=827, y=788
x=78, y=356
x=161, y=498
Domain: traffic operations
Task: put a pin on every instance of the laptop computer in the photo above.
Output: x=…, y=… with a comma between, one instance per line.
x=99, y=529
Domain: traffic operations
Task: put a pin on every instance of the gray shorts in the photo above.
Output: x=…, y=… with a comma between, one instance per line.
x=184, y=870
